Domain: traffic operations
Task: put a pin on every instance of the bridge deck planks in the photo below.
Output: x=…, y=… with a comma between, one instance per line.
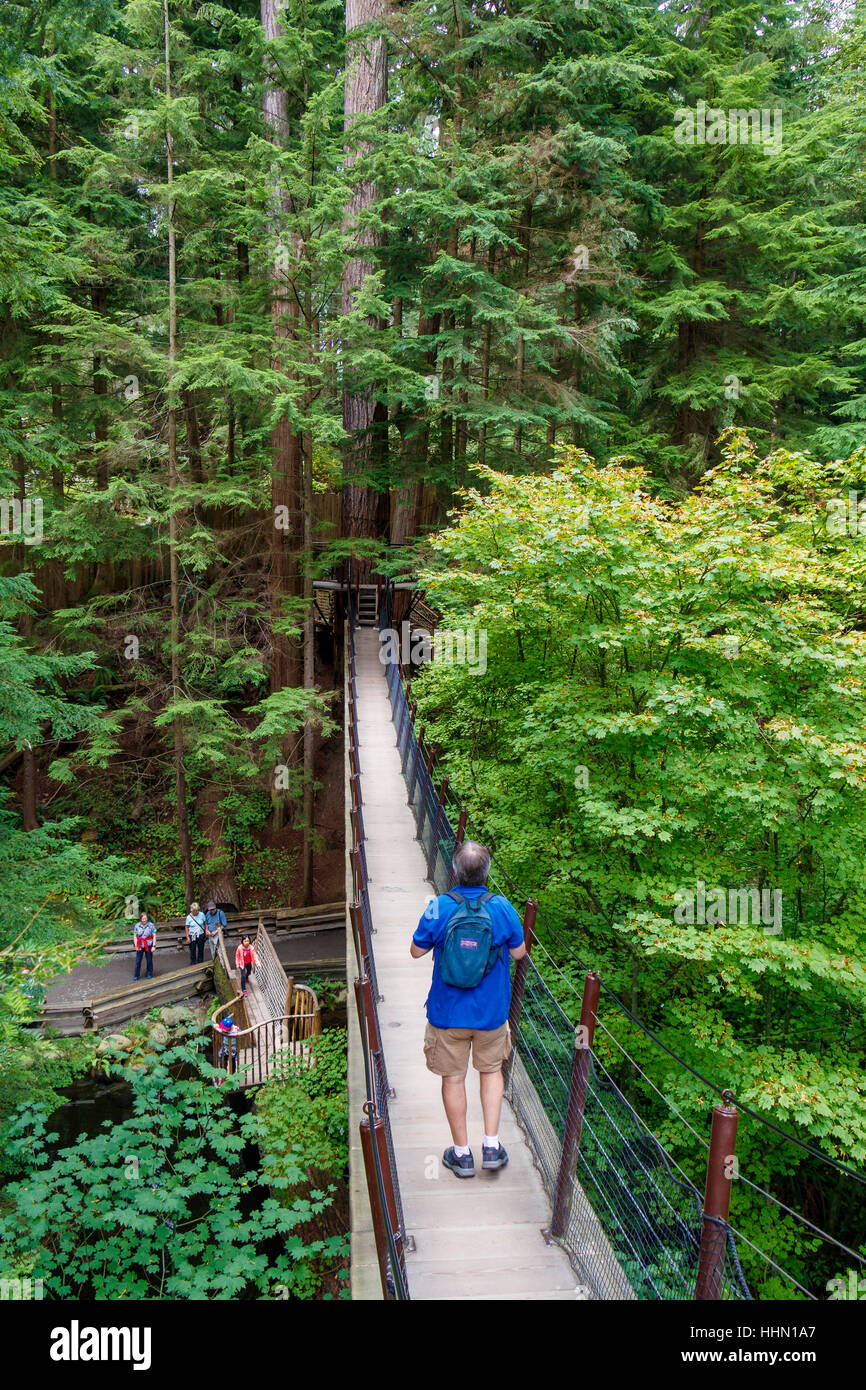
x=478, y=1238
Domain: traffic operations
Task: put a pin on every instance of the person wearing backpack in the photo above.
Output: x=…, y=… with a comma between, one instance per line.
x=214, y=918
x=472, y=933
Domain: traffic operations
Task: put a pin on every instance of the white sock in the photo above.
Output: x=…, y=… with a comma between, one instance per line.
x=491, y=1141
x=461, y=1150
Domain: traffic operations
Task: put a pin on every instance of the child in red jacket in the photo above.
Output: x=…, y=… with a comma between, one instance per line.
x=246, y=961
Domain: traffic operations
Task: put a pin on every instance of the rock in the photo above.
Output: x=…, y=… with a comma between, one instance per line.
x=171, y=1017
x=158, y=1035
x=115, y=1042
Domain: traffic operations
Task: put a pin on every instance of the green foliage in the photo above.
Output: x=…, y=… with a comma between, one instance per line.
x=303, y=1110
x=328, y=992
x=161, y=1205
x=674, y=703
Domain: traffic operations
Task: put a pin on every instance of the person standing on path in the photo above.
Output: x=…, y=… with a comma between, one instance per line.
x=195, y=934
x=228, y=1050
x=144, y=937
x=471, y=933
x=246, y=961
x=214, y=918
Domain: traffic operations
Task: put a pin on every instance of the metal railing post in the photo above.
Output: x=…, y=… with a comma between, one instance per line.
x=434, y=838
x=585, y=1035
x=419, y=748
x=367, y=1127
x=366, y=1012
x=410, y=725
x=518, y=984
x=717, y=1201
x=359, y=931
x=459, y=837
x=422, y=809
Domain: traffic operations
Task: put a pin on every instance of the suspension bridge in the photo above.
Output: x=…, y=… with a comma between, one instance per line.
x=591, y=1205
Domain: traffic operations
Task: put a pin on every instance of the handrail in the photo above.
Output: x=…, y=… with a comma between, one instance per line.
x=272, y=978
x=267, y=1044
x=375, y=1128
x=223, y=953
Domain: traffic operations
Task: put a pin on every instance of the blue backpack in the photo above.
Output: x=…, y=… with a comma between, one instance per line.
x=468, y=952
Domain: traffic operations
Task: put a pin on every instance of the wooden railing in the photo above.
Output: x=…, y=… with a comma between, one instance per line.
x=264, y=1049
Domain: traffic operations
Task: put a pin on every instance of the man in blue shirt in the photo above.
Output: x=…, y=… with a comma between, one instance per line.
x=214, y=918
x=463, y=1020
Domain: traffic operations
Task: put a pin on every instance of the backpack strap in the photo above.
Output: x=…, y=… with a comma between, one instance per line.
x=458, y=897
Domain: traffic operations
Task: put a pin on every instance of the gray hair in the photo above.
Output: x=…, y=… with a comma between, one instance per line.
x=471, y=864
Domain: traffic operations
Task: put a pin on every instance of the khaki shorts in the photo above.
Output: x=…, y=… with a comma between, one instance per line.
x=447, y=1049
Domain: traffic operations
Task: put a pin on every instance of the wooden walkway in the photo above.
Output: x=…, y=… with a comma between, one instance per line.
x=478, y=1238
x=277, y=1017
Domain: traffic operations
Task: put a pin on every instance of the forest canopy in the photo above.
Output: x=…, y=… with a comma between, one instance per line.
x=555, y=311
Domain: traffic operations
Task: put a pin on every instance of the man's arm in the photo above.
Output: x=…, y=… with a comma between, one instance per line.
x=416, y=952
x=518, y=952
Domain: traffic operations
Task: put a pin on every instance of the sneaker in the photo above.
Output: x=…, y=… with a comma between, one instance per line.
x=461, y=1165
x=493, y=1158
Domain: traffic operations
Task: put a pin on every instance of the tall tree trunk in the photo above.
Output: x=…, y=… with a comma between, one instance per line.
x=485, y=368
x=404, y=515
x=25, y=626
x=217, y=877
x=286, y=445
x=28, y=789
x=690, y=421
x=56, y=388
x=193, y=439
x=364, y=419
x=309, y=679
x=99, y=301
x=174, y=574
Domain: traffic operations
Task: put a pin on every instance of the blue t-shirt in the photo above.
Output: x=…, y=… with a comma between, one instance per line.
x=215, y=919
x=486, y=1006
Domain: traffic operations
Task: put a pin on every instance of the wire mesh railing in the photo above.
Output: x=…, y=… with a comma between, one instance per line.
x=270, y=975
x=632, y=1223
x=377, y=1142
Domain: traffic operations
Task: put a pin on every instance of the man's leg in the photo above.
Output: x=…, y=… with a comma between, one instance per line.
x=492, y=1091
x=489, y=1051
x=454, y=1100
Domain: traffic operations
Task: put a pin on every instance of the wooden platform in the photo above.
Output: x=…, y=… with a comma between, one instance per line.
x=476, y=1239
